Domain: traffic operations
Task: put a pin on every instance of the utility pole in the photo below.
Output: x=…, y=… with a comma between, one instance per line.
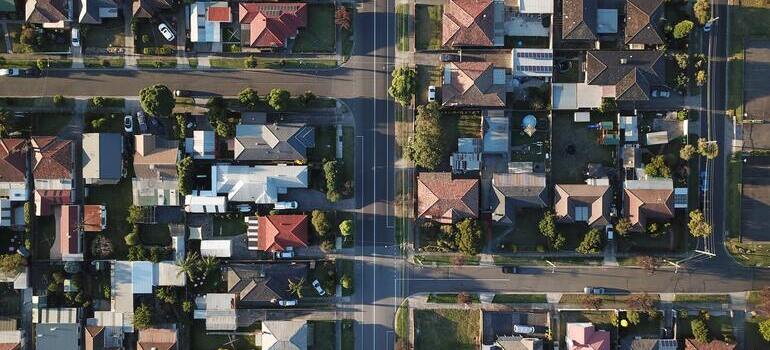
x=553, y=266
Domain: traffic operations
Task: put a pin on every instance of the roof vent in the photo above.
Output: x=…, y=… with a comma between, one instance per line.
x=624, y=60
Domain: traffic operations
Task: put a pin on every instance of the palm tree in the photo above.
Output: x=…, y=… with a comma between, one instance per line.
x=208, y=264
x=296, y=287
x=189, y=265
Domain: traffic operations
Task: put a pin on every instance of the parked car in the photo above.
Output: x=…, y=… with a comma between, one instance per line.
x=449, y=57
x=317, y=286
x=182, y=93
x=243, y=208
x=30, y=72
x=75, y=37
x=128, y=123
x=10, y=72
x=510, y=269
x=142, y=122
x=286, y=254
x=431, y=93
x=285, y=205
x=287, y=302
x=594, y=290
x=166, y=31
x=610, y=232
x=661, y=93
x=523, y=329
x=704, y=182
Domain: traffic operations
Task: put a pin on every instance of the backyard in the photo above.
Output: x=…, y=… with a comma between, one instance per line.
x=229, y=225
x=574, y=146
x=427, y=31
x=446, y=329
x=201, y=340
x=117, y=199
x=320, y=33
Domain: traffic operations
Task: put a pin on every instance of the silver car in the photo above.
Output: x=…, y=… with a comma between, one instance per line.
x=317, y=286
x=166, y=31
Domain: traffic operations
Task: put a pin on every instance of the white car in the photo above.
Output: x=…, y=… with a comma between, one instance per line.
x=10, y=72
x=243, y=208
x=524, y=329
x=317, y=286
x=431, y=93
x=166, y=31
x=287, y=302
x=128, y=124
x=75, y=37
x=610, y=232
x=285, y=205
x=288, y=254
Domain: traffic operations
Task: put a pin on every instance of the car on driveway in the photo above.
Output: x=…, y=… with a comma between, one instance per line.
x=510, y=269
x=286, y=254
x=317, y=286
x=661, y=93
x=287, y=303
x=128, y=124
x=142, y=123
x=610, y=232
x=75, y=37
x=10, y=72
x=285, y=205
x=431, y=93
x=166, y=31
x=449, y=57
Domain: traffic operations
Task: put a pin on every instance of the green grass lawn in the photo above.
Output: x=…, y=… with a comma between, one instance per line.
x=49, y=124
x=455, y=126
x=427, y=31
x=348, y=335
x=156, y=63
x=96, y=62
x=600, y=319
x=117, y=199
x=753, y=338
x=748, y=19
x=345, y=266
x=30, y=63
x=107, y=34
x=324, y=335
x=427, y=76
x=734, y=192
x=203, y=341
x=37, y=102
x=325, y=144
x=320, y=33
x=648, y=326
x=114, y=122
x=525, y=236
x=449, y=298
x=446, y=329
x=519, y=298
x=402, y=27
x=567, y=133
x=402, y=320
x=273, y=63
x=446, y=259
x=229, y=225
x=702, y=298
x=749, y=253
x=45, y=236
x=719, y=327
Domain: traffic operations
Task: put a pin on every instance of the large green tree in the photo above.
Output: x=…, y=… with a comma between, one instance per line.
x=11, y=263
x=702, y=11
x=185, y=175
x=657, y=167
x=142, y=317
x=157, y=100
x=248, y=97
x=426, y=148
x=683, y=29
x=468, y=237
x=403, y=85
x=698, y=225
x=320, y=222
x=279, y=99
x=592, y=242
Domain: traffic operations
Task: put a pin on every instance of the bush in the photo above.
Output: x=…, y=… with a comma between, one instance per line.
x=279, y=99
x=623, y=226
x=683, y=29
x=346, y=228
x=700, y=331
x=185, y=174
x=131, y=239
x=682, y=115
x=657, y=167
x=591, y=243
x=181, y=126
x=547, y=225
x=250, y=62
x=327, y=246
x=468, y=238
x=98, y=101
x=346, y=281
x=764, y=329
x=682, y=59
x=11, y=263
x=320, y=222
x=332, y=173
x=58, y=100
x=106, y=63
x=687, y=152
x=248, y=97
x=142, y=317
x=697, y=225
x=700, y=77
x=403, y=86
x=41, y=64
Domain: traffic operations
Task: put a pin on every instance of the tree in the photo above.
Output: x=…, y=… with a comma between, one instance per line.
x=641, y=302
x=166, y=295
x=559, y=241
x=332, y=173
x=647, y=262
x=700, y=331
x=98, y=101
x=131, y=239
x=403, y=86
x=591, y=243
x=248, y=97
x=764, y=329
x=346, y=228
x=11, y=263
x=207, y=264
x=185, y=175
x=592, y=301
x=327, y=246
x=683, y=29
x=608, y=105
x=687, y=152
x=137, y=253
x=633, y=317
x=681, y=82
x=708, y=149
x=135, y=214
x=295, y=287
x=142, y=317
x=463, y=298
x=101, y=247
x=682, y=60
x=468, y=238
x=702, y=11
x=623, y=226
x=346, y=281
x=279, y=99
x=157, y=100
x=698, y=225
x=342, y=17
x=657, y=167
x=250, y=62
x=320, y=222
x=307, y=97
x=189, y=266
x=547, y=225
x=700, y=77
x=426, y=148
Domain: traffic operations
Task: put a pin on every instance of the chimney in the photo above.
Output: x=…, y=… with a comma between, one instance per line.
x=624, y=60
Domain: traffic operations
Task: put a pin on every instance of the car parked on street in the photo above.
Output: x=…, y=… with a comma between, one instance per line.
x=182, y=93
x=10, y=72
x=318, y=288
x=128, y=123
x=166, y=31
x=594, y=290
x=286, y=303
x=510, y=269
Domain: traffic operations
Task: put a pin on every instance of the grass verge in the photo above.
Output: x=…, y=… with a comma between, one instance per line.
x=702, y=298
x=402, y=27
x=519, y=298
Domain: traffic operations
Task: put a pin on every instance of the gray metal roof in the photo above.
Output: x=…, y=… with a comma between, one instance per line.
x=102, y=156
x=275, y=142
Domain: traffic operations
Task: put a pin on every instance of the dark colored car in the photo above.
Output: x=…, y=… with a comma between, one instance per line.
x=510, y=269
x=30, y=72
x=182, y=93
x=449, y=57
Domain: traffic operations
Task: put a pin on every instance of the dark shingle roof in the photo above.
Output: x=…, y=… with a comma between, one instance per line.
x=633, y=73
x=512, y=191
x=642, y=22
x=274, y=142
x=259, y=284
x=579, y=20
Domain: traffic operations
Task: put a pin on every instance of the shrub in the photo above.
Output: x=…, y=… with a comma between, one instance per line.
x=657, y=167
x=764, y=329
x=105, y=63
x=131, y=239
x=58, y=100
x=98, y=101
x=682, y=59
x=623, y=226
x=279, y=99
x=11, y=263
x=425, y=148
x=185, y=174
x=248, y=97
x=591, y=243
x=468, y=238
x=320, y=222
x=332, y=174
x=327, y=246
x=346, y=227
x=697, y=225
x=41, y=64
x=700, y=331
x=403, y=86
x=250, y=62
x=683, y=29
x=142, y=317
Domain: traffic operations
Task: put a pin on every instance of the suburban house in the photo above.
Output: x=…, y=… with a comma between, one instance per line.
x=49, y=13
x=102, y=158
x=643, y=22
x=206, y=19
x=276, y=233
x=497, y=330
x=150, y=8
x=692, y=344
x=270, y=25
x=157, y=339
x=94, y=11
x=649, y=344
x=282, y=335
x=56, y=329
x=11, y=336
x=100, y=338
x=517, y=342
x=579, y=20
x=156, y=179
x=218, y=311
x=47, y=200
x=583, y=336
x=13, y=169
x=202, y=145
x=648, y=199
x=473, y=84
x=52, y=163
x=532, y=63
x=69, y=234
x=273, y=142
x=261, y=285
x=472, y=23
x=257, y=184
x=445, y=200
x=516, y=190
x=468, y=155
x=626, y=75
x=589, y=203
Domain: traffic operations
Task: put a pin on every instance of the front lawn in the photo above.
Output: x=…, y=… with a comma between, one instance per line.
x=229, y=225
x=49, y=124
x=427, y=76
x=324, y=335
x=524, y=236
x=117, y=199
x=519, y=298
x=446, y=329
x=719, y=327
x=113, y=122
x=320, y=33
x=600, y=319
x=574, y=146
x=108, y=34
x=427, y=23
x=753, y=338
x=347, y=267
x=450, y=298
x=156, y=63
x=107, y=62
x=702, y=298
x=750, y=253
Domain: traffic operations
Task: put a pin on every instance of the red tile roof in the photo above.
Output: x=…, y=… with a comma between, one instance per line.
x=276, y=232
x=643, y=204
x=52, y=158
x=13, y=160
x=92, y=217
x=69, y=236
x=447, y=200
x=156, y=338
x=219, y=14
x=10, y=346
x=45, y=200
x=271, y=24
x=468, y=23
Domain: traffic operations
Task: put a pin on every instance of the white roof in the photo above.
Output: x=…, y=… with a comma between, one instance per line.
x=582, y=117
x=535, y=6
x=10, y=337
x=532, y=62
x=142, y=277
x=202, y=30
x=260, y=184
x=205, y=204
x=657, y=138
x=60, y=315
x=201, y=145
x=110, y=319
x=169, y=274
x=572, y=96
x=220, y=248
x=122, y=290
